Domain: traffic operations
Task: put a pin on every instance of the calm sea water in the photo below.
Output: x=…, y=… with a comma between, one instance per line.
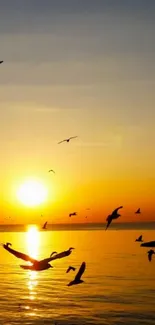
x=119, y=285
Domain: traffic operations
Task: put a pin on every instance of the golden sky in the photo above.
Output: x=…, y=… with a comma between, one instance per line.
x=85, y=68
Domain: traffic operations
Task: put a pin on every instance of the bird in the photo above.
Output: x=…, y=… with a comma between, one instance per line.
x=67, y=140
x=45, y=225
x=70, y=268
x=112, y=216
x=1, y=62
x=150, y=253
x=73, y=214
x=138, y=211
x=140, y=239
x=62, y=254
x=35, y=264
x=77, y=279
x=51, y=170
x=148, y=244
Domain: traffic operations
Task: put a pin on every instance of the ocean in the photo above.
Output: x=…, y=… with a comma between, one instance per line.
x=119, y=281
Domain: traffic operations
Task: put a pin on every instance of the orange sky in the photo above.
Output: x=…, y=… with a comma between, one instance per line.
x=80, y=71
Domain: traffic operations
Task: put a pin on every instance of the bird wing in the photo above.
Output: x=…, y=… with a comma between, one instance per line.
x=53, y=254
x=20, y=255
x=69, y=268
x=1, y=62
x=115, y=211
x=148, y=244
x=73, y=137
x=80, y=272
x=44, y=226
x=52, y=258
x=109, y=219
x=140, y=237
x=62, y=141
x=150, y=256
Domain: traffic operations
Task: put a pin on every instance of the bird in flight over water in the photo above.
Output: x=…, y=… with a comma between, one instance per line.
x=150, y=253
x=77, y=279
x=45, y=225
x=138, y=211
x=70, y=268
x=62, y=254
x=36, y=265
x=140, y=239
x=73, y=214
x=51, y=170
x=1, y=62
x=67, y=140
x=112, y=216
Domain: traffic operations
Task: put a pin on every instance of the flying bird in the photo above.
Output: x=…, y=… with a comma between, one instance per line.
x=1, y=62
x=77, y=279
x=51, y=170
x=112, y=216
x=36, y=265
x=138, y=211
x=70, y=268
x=45, y=225
x=73, y=214
x=150, y=253
x=67, y=140
x=140, y=239
x=148, y=244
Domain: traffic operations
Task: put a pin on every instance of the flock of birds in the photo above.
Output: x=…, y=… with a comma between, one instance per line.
x=116, y=215
x=44, y=264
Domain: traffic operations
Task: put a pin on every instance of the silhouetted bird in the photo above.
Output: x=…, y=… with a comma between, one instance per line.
x=36, y=265
x=70, y=268
x=45, y=225
x=148, y=244
x=138, y=211
x=77, y=279
x=67, y=140
x=73, y=214
x=139, y=239
x=51, y=170
x=150, y=253
x=112, y=216
x=1, y=62
x=62, y=254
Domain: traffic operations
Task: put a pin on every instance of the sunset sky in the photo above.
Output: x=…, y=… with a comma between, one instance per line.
x=85, y=68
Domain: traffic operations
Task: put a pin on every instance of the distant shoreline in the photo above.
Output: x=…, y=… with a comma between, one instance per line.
x=83, y=226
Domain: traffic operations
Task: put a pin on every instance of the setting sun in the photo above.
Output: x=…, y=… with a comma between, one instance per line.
x=32, y=193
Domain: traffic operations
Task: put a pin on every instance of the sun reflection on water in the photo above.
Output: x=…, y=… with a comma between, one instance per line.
x=32, y=242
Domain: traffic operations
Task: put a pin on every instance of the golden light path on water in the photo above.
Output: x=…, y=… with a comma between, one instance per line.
x=32, y=242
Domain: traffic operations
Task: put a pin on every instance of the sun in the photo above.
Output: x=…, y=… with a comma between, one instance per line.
x=32, y=193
